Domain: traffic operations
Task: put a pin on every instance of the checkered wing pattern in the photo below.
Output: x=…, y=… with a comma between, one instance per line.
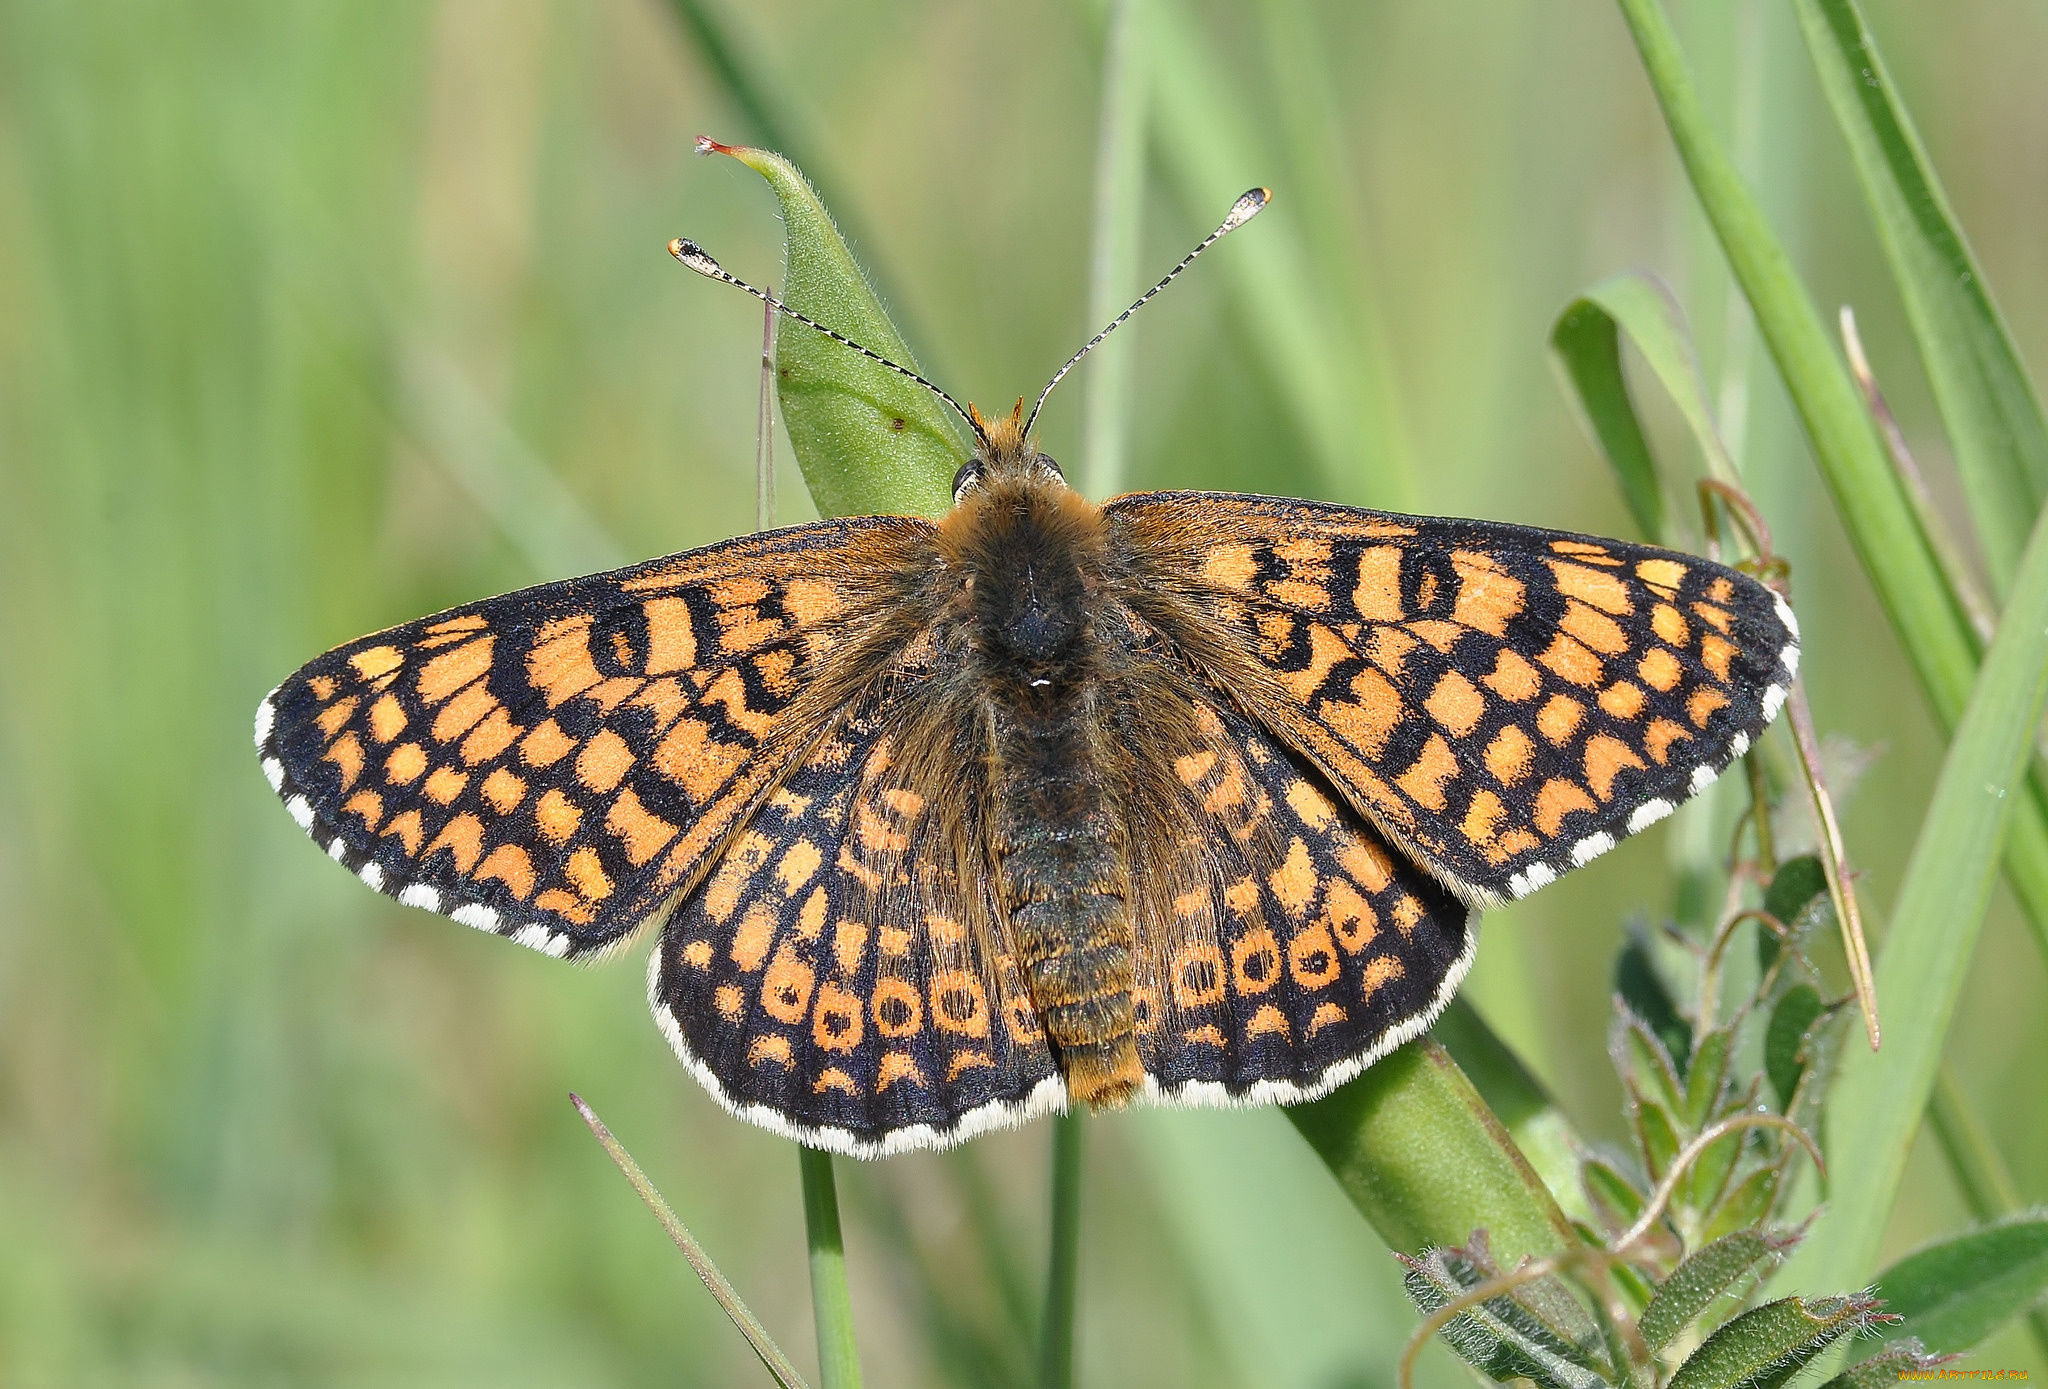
x=1503, y=703
x=552, y=765
x=833, y=980
x=1294, y=948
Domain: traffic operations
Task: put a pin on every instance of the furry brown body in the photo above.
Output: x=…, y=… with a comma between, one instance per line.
x=1029, y=559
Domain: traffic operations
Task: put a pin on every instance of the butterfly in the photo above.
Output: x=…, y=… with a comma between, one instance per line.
x=942, y=825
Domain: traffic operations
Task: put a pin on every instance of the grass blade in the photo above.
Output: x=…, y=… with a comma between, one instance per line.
x=749, y=1325
x=1113, y=257
x=831, y=1304
x=1988, y=406
x=1957, y=1291
x=1876, y=1105
x=1056, y=1332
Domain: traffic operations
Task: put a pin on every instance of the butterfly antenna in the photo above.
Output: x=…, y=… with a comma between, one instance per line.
x=1241, y=211
x=699, y=260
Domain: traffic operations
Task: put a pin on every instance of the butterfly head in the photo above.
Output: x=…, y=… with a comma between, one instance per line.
x=1005, y=452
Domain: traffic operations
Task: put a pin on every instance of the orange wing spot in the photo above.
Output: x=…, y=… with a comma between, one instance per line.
x=407, y=827
x=1488, y=599
x=748, y=854
x=671, y=640
x=1380, y=971
x=451, y=670
x=559, y=664
x=444, y=784
x=1597, y=630
x=1207, y=1035
x=1721, y=590
x=510, y=865
x=643, y=833
x=786, y=987
x=836, y=1022
x=1720, y=619
x=958, y=1004
x=731, y=691
x=694, y=760
x=1670, y=626
x=768, y=1051
x=1513, y=845
x=810, y=918
x=546, y=745
x=1456, y=703
x=1606, y=758
x=944, y=930
x=1366, y=723
x=665, y=697
x=727, y=998
x=1311, y=957
x=1660, y=735
x=346, y=752
x=752, y=630
x=850, y=946
x=504, y=791
x=1296, y=594
x=1587, y=548
x=1483, y=819
x=1661, y=573
x=1192, y=768
x=1510, y=755
x=1267, y=1019
x=1255, y=961
x=387, y=719
x=1623, y=700
x=1440, y=635
x=1365, y=863
x=1191, y=902
x=458, y=626
x=586, y=873
x=461, y=713
x=1295, y=880
x=1197, y=975
x=1557, y=799
x=557, y=815
x=1389, y=649
x=1408, y=914
x=1571, y=661
x=377, y=662
x=877, y=834
x=604, y=762
x=610, y=694
x=1602, y=590
x=1229, y=791
x=898, y=1009
x=489, y=738
x=1717, y=653
x=897, y=1066
x=860, y=872
x=1355, y=921
x=1242, y=896
x=1328, y=1015
x=1325, y=649
x=1559, y=719
x=1378, y=595
x=740, y=592
x=1231, y=566
x=322, y=686
x=1513, y=678
x=1311, y=805
x=799, y=863
x=810, y=602
x=908, y=804
x=464, y=837
x=405, y=763
x=1659, y=668
x=366, y=806
x=1703, y=703
x=335, y=715
x=1424, y=781
x=566, y=904
x=968, y=1061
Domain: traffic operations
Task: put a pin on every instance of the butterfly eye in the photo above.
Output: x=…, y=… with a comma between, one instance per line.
x=966, y=480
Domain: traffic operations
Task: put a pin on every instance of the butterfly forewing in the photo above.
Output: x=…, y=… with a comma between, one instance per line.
x=834, y=979
x=553, y=764
x=1504, y=703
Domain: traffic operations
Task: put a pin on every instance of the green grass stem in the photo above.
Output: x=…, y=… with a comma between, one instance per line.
x=831, y=1305
x=1119, y=216
x=1063, y=1261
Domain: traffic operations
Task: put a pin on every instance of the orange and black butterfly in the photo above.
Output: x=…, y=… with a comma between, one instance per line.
x=1182, y=798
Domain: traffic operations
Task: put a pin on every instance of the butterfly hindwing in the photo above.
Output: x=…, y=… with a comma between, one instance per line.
x=553, y=764
x=1504, y=703
x=833, y=980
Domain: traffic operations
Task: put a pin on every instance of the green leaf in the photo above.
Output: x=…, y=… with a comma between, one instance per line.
x=1419, y=1153
x=1656, y=1139
x=1785, y=1039
x=1643, y=989
x=1695, y=1283
x=1993, y=419
x=1955, y=1292
x=1539, y=1331
x=1585, y=347
x=1748, y=1204
x=1798, y=898
x=1767, y=1345
x=1613, y=1196
x=867, y=439
x=1887, y=1367
x=1707, y=1077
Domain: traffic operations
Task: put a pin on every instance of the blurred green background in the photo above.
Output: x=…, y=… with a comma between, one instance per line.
x=316, y=317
